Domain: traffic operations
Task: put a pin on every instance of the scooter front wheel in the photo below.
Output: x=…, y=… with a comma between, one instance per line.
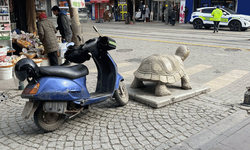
x=121, y=95
x=48, y=121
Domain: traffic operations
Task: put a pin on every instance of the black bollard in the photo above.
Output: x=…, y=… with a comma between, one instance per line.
x=247, y=97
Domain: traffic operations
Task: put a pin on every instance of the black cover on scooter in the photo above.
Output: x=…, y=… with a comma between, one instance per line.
x=76, y=55
x=106, y=43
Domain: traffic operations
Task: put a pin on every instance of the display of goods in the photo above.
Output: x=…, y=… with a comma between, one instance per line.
x=2, y=58
x=6, y=64
x=37, y=60
x=3, y=51
x=16, y=58
x=14, y=40
x=23, y=43
x=28, y=55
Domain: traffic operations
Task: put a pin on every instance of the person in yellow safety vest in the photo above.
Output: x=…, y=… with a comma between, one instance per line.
x=217, y=13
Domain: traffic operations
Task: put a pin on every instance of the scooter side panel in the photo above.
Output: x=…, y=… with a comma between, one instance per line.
x=92, y=100
x=56, y=88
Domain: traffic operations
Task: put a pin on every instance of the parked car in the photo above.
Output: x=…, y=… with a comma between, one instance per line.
x=235, y=22
x=83, y=15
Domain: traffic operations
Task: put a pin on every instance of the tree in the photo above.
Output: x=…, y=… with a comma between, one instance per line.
x=31, y=16
x=134, y=11
x=75, y=24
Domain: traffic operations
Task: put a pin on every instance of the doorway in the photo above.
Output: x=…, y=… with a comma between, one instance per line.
x=158, y=8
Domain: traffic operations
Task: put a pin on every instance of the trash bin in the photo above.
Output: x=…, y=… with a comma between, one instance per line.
x=127, y=18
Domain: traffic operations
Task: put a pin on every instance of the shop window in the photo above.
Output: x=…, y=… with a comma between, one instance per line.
x=40, y=4
x=229, y=4
x=124, y=8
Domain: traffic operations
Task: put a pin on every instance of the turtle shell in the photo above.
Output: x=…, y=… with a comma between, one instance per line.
x=164, y=68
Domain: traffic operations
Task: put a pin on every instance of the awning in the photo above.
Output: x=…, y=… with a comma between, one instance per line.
x=99, y=1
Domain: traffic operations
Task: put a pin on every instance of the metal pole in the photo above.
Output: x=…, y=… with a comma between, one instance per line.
x=166, y=12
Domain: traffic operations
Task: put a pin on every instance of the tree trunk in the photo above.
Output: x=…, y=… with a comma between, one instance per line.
x=134, y=11
x=75, y=24
x=31, y=16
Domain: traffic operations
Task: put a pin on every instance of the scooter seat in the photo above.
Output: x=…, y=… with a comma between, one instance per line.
x=72, y=72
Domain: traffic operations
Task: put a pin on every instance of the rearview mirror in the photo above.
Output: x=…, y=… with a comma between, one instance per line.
x=224, y=13
x=96, y=30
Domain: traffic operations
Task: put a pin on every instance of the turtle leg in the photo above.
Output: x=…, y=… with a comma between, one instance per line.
x=137, y=83
x=161, y=89
x=185, y=82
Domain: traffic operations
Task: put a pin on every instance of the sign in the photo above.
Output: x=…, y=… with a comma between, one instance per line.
x=93, y=12
x=78, y=3
x=182, y=14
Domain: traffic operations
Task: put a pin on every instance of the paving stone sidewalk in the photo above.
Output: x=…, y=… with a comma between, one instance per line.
x=135, y=126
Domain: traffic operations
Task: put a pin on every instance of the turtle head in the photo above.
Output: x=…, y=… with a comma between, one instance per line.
x=182, y=52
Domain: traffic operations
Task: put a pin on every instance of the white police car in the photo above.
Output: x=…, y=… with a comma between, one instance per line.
x=235, y=22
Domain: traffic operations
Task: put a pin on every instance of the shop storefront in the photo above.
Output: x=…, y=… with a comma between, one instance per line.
x=21, y=40
x=98, y=8
x=123, y=8
x=239, y=6
x=158, y=8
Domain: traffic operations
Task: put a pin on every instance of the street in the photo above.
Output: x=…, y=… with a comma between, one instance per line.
x=218, y=60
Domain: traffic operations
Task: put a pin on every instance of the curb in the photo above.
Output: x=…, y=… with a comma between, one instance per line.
x=216, y=133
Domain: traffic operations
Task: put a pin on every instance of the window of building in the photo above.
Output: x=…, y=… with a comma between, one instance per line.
x=40, y=4
x=209, y=11
x=230, y=4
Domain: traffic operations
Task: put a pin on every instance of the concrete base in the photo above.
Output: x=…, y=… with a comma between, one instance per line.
x=147, y=95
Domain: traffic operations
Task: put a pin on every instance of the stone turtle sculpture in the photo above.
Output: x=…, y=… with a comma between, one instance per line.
x=163, y=69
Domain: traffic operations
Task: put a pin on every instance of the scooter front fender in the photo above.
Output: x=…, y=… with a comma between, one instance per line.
x=118, y=79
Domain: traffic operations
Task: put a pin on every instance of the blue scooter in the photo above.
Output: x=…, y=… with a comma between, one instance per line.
x=55, y=92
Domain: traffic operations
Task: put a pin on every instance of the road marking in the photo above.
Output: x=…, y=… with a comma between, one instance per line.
x=123, y=65
x=128, y=73
x=93, y=70
x=225, y=80
x=196, y=69
x=182, y=43
x=189, y=71
x=170, y=29
x=214, y=84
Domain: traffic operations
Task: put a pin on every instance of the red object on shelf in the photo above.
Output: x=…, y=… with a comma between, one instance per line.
x=99, y=1
x=61, y=4
x=6, y=28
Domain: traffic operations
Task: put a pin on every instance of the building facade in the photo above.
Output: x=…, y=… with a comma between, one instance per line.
x=158, y=6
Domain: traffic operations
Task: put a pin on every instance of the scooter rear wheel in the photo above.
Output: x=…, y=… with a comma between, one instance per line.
x=121, y=95
x=48, y=121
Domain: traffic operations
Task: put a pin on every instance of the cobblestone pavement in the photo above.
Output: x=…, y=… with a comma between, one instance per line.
x=106, y=126
x=136, y=126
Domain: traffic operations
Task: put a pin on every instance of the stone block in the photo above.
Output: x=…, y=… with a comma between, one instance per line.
x=147, y=96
